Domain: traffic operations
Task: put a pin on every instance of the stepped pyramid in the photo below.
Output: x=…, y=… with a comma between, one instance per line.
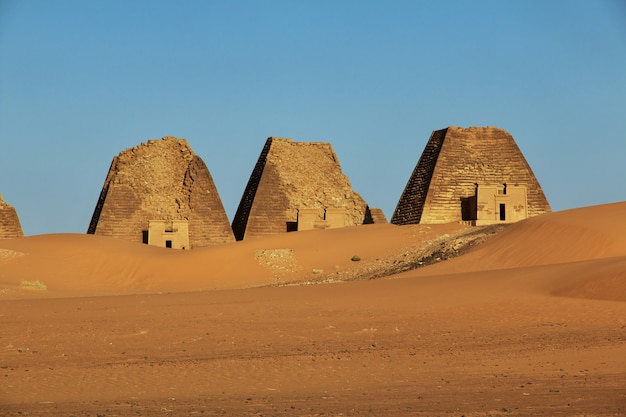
x=476, y=174
x=161, y=193
x=10, y=226
x=298, y=186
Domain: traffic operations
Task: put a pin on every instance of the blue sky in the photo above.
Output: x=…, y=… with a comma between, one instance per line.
x=80, y=81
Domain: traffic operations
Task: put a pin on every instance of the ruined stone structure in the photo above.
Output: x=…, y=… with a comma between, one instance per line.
x=375, y=215
x=475, y=174
x=161, y=193
x=297, y=186
x=10, y=226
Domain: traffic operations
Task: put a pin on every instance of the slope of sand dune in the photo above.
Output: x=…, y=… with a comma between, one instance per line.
x=586, y=246
x=82, y=265
x=567, y=236
x=531, y=322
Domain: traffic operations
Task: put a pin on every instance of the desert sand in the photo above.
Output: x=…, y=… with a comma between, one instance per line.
x=532, y=321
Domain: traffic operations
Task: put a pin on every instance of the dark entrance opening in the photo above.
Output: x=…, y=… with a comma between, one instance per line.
x=469, y=208
x=502, y=212
x=168, y=243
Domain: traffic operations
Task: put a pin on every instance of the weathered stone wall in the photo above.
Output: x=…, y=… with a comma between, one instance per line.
x=10, y=226
x=454, y=160
x=289, y=176
x=411, y=205
x=499, y=204
x=160, y=180
x=376, y=215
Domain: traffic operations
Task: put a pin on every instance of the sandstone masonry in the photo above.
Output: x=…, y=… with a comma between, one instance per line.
x=464, y=174
x=298, y=177
x=10, y=226
x=166, y=183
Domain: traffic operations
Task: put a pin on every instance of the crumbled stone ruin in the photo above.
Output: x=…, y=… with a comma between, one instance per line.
x=299, y=186
x=10, y=226
x=156, y=188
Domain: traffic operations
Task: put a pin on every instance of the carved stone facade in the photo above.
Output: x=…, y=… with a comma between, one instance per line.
x=309, y=218
x=161, y=183
x=491, y=204
x=470, y=174
x=10, y=226
x=297, y=177
x=174, y=234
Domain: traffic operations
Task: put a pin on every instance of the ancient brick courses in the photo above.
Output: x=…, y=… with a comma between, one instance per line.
x=375, y=215
x=10, y=226
x=292, y=175
x=160, y=180
x=454, y=160
x=166, y=183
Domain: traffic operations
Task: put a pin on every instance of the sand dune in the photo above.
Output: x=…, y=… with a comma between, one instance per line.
x=80, y=265
x=566, y=236
x=583, y=251
x=530, y=322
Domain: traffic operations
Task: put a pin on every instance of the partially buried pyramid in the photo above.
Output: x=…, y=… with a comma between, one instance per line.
x=10, y=226
x=161, y=193
x=475, y=174
x=298, y=186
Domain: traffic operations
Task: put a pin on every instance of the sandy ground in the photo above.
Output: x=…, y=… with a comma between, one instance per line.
x=530, y=322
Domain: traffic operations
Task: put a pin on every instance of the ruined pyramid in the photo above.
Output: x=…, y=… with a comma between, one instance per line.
x=10, y=226
x=298, y=186
x=161, y=193
x=475, y=174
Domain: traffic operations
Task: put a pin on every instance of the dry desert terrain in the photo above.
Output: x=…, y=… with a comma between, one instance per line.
x=528, y=321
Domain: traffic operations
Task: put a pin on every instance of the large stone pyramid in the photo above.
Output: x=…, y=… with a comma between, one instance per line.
x=161, y=193
x=476, y=174
x=298, y=186
x=10, y=226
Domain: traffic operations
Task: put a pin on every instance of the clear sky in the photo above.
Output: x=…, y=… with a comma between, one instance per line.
x=81, y=81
